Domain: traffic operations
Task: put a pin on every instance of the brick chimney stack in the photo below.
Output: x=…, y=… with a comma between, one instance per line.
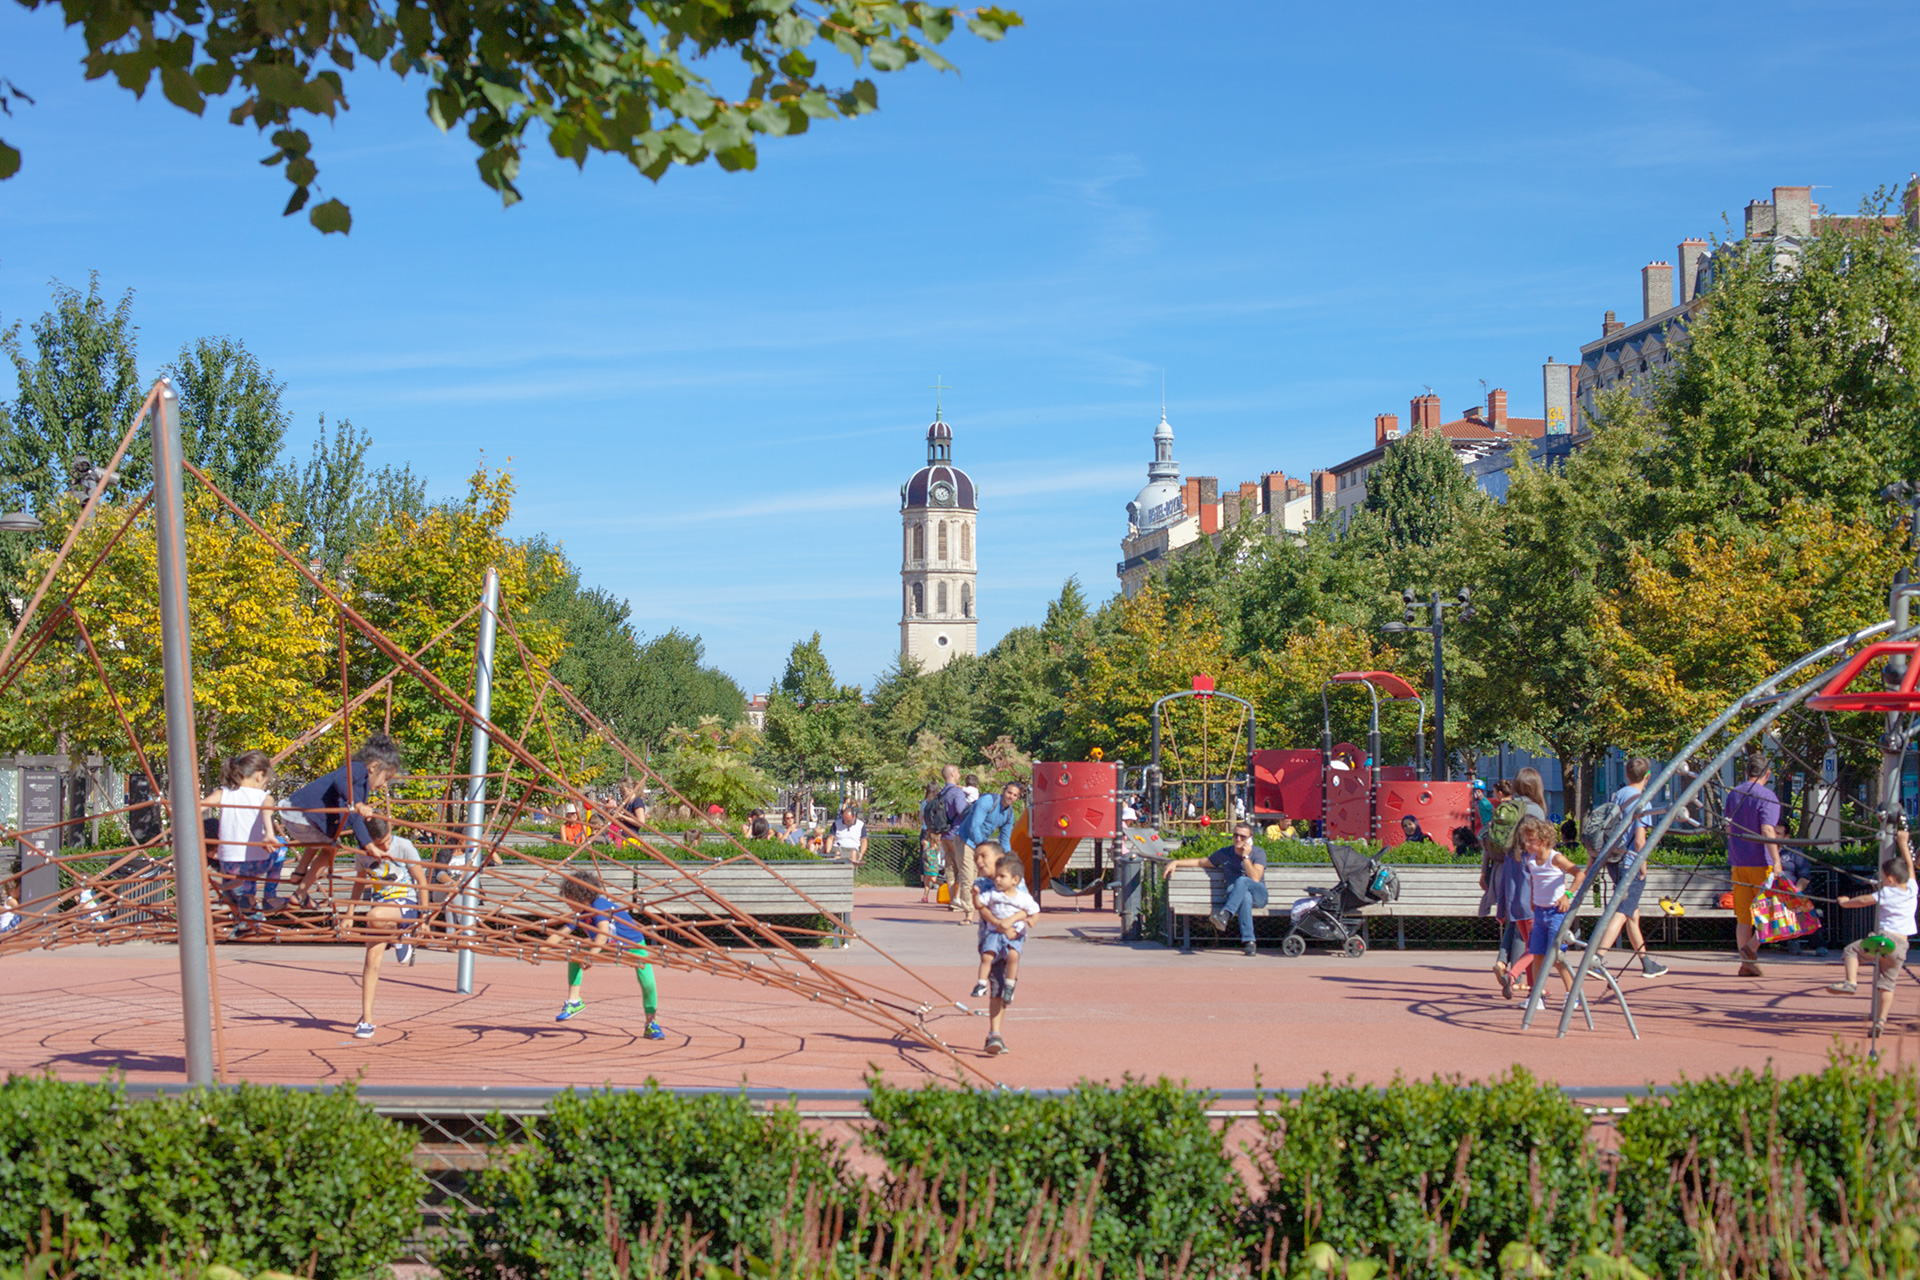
x=1610, y=326
x=1692, y=254
x=1656, y=288
x=1386, y=426
x=1423, y=413
x=1793, y=211
x=1497, y=408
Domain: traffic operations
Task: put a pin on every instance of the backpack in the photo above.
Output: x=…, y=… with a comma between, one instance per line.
x=940, y=819
x=1603, y=824
x=1385, y=885
x=1506, y=821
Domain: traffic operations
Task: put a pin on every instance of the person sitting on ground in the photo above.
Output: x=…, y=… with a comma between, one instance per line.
x=1895, y=901
x=316, y=814
x=602, y=920
x=1547, y=870
x=1243, y=864
x=386, y=873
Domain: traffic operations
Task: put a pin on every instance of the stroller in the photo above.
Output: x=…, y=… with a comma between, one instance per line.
x=1325, y=914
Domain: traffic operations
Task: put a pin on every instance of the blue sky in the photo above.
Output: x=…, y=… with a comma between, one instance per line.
x=711, y=389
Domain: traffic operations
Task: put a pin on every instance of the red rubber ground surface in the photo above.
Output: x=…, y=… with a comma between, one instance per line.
x=1087, y=1008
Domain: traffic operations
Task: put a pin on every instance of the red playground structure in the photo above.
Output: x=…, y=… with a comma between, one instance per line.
x=1348, y=790
x=1071, y=803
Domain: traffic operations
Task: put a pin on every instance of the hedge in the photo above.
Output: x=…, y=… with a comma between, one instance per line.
x=252, y=1177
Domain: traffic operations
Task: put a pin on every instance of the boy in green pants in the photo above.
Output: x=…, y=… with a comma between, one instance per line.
x=603, y=919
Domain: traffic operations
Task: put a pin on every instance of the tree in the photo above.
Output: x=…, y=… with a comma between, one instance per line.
x=1320, y=576
x=338, y=505
x=814, y=723
x=1420, y=491
x=1799, y=380
x=1290, y=683
x=261, y=648
x=1157, y=648
x=609, y=76
x=711, y=764
x=79, y=391
x=898, y=785
x=231, y=421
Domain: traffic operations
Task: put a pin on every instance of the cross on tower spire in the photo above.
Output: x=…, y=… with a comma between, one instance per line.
x=937, y=388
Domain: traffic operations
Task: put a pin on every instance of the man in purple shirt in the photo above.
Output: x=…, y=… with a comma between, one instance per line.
x=1753, y=821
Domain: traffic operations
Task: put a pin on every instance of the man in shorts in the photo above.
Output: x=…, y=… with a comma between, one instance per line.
x=1753, y=823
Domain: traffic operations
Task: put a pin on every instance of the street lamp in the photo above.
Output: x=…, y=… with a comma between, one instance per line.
x=20, y=522
x=1437, y=609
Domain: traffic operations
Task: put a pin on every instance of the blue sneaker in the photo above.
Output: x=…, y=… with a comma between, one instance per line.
x=569, y=1009
x=403, y=953
x=364, y=1031
x=654, y=1032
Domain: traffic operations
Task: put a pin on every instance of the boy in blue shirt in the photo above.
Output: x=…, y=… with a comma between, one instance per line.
x=603, y=920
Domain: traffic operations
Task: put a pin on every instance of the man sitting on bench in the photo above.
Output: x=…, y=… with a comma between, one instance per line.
x=1243, y=865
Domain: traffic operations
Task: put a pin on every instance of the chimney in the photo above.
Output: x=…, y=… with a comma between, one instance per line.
x=1563, y=409
x=1273, y=490
x=1476, y=414
x=1610, y=326
x=1793, y=211
x=1423, y=413
x=1324, y=484
x=1250, y=504
x=1692, y=254
x=1759, y=218
x=1209, y=487
x=1656, y=289
x=1497, y=408
x=1910, y=202
x=1386, y=426
x=1230, y=509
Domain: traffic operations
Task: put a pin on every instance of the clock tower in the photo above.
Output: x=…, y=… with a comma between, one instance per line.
x=938, y=507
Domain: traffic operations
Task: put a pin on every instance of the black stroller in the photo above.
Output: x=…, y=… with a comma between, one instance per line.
x=1325, y=915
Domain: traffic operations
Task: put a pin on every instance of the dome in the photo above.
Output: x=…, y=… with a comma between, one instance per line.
x=939, y=485
x=939, y=431
x=1157, y=505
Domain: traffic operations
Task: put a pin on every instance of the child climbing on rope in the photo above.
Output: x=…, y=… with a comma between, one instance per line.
x=247, y=842
x=316, y=814
x=386, y=873
x=1547, y=870
x=603, y=920
x=1896, y=900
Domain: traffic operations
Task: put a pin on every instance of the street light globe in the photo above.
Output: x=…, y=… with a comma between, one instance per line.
x=20, y=522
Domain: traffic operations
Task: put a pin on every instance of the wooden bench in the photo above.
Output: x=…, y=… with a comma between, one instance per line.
x=1427, y=890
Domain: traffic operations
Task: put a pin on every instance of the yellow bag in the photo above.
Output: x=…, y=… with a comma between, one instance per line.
x=945, y=894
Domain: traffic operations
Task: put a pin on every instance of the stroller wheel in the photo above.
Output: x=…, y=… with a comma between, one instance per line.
x=1356, y=946
x=1293, y=945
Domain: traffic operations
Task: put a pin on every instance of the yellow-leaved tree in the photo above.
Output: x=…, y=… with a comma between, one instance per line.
x=1290, y=682
x=260, y=644
x=1686, y=636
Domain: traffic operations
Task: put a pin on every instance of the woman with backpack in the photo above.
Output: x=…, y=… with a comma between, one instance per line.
x=1503, y=882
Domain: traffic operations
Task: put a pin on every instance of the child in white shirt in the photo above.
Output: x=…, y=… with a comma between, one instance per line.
x=1003, y=907
x=1896, y=899
x=248, y=845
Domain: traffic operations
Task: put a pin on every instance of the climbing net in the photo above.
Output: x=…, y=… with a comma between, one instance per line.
x=730, y=913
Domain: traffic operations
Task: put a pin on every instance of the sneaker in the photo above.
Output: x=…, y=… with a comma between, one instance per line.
x=569, y=1009
x=403, y=953
x=364, y=1031
x=980, y=989
x=654, y=1032
x=1843, y=988
x=1505, y=975
x=996, y=1046
x=1653, y=969
x=1247, y=948
x=1006, y=991
x=1220, y=921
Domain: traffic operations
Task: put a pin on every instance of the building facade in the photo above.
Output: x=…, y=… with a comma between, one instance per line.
x=939, y=507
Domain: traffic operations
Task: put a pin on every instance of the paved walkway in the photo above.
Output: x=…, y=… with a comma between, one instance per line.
x=1088, y=1007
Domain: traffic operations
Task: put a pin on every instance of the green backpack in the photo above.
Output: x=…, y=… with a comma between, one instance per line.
x=1506, y=821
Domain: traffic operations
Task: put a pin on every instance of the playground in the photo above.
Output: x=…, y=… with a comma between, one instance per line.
x=1090, y=1007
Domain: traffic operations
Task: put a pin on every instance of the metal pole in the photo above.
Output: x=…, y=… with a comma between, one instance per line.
x=1443, y=766
x=183, y=751
x=477, y=766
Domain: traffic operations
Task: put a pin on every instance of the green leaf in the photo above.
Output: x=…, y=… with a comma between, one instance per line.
x=9, y=161
x=296, y=202
x=331, y=216
x=888, y=55
x=794, y=31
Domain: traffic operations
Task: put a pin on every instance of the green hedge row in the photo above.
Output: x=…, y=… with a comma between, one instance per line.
x=1746, y=1175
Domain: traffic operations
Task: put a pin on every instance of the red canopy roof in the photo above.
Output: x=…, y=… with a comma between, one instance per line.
x=1385, y=681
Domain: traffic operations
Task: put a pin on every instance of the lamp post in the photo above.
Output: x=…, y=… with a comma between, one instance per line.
x=1437, y=608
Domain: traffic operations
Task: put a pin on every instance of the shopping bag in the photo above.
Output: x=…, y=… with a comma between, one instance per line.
x=945, y=894
x=1779, y=913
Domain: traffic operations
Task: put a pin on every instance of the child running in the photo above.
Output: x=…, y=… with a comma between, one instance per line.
x=248, y=844
x=602, y=919
x=1004, y=907
x=1896, y=900
x=1547, y=869
x=316, y=813
x=386, y=873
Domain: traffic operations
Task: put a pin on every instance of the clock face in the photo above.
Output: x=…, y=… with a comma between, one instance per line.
x=942, y=493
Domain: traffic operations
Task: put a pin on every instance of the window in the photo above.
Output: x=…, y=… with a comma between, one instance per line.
x=919, y=542
x=941, y=596
x=966, y=542
x=943, y=539
x=966, y=599
x=919, y=600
